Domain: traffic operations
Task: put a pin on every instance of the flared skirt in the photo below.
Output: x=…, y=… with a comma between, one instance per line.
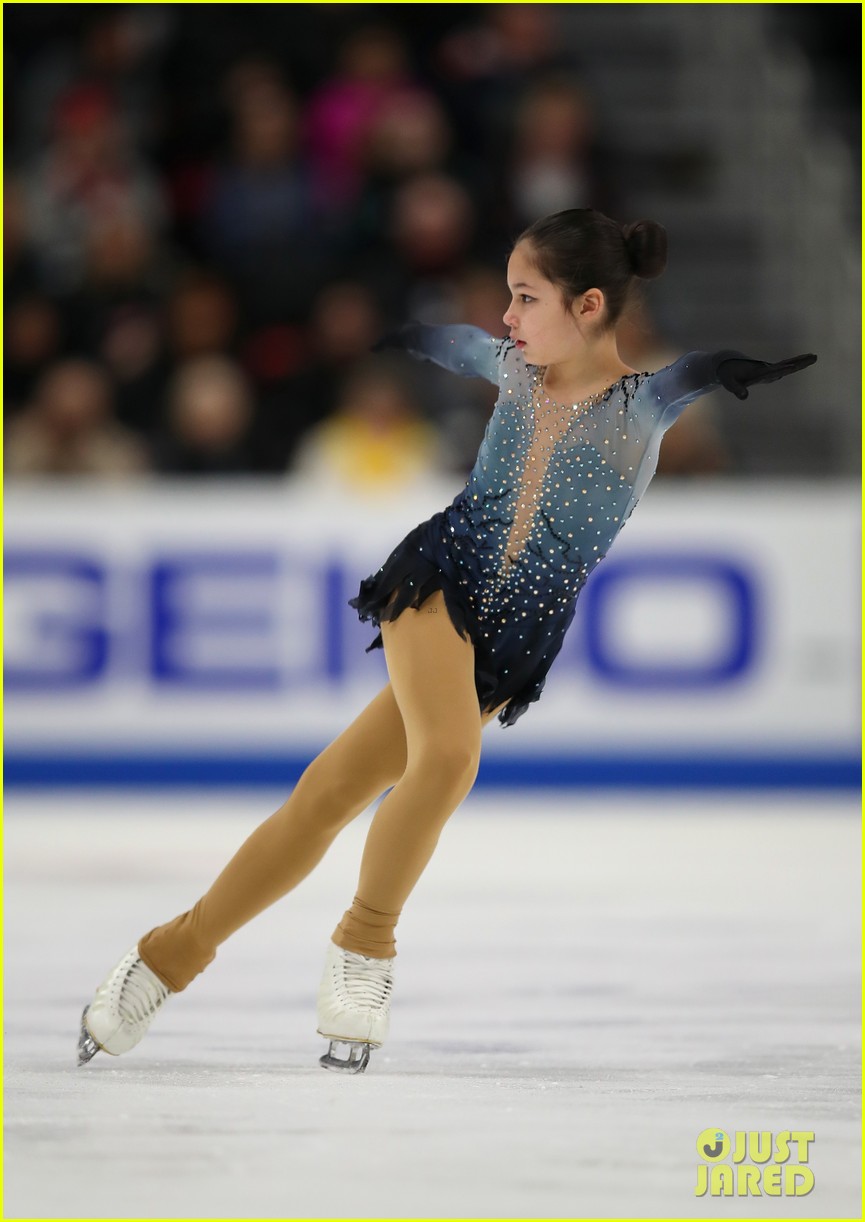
x=511, y=665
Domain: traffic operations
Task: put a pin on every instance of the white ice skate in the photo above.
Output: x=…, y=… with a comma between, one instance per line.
x=353, y=1007
x=124, y=1007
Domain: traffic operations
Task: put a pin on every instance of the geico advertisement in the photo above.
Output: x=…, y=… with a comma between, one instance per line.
x=216, y=617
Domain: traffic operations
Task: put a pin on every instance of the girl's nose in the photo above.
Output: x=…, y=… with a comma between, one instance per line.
x=508, y=318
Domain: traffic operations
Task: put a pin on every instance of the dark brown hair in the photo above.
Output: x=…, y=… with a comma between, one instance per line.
x=580, y=248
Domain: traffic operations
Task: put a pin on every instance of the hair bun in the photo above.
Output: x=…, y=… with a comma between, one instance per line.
x=646, y=243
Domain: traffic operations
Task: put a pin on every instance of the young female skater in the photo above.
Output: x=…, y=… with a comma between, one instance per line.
x=472, y=608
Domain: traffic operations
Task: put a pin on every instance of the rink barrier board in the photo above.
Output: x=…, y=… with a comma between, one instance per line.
x=203, y=636
x=832, y=772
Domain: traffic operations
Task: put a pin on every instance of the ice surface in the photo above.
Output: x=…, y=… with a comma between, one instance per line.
x=584, y=984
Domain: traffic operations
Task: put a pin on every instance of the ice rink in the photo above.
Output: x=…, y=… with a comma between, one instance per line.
x=585, y=983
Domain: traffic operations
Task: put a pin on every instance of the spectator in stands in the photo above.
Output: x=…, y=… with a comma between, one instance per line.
x=484, y=67
x=260, y=223
x=430, y=233
x=209, y=417
x=372, y=71
x=201, y=315
x=123, y=267
x=376, y=441
x=90, y=174
x=132, y=348
x=33, y=336
x=69, y=429
x=411, y=135
x=203, y=319
x=463, y=411
x=21, y=263
x=117, y=48
x=116, y=313
x=344, y=325
x=550, y=166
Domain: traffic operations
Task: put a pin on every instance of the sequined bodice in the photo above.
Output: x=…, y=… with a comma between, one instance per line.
x=547, y=424
x=552, y=486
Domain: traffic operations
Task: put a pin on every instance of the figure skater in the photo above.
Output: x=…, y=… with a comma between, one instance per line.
x=471, y=607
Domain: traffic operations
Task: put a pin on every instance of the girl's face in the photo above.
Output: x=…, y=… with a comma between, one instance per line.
x=544, y=330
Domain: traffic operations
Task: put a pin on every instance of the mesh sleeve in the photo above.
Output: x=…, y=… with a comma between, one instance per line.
x=462, y=349
x=692, y=375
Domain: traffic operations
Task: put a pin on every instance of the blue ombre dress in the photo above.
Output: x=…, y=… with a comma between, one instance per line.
x=551, y=488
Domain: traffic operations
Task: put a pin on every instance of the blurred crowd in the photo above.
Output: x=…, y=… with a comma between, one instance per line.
x=212, y=213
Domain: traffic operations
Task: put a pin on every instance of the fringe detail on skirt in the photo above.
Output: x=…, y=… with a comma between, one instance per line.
x=407, y=579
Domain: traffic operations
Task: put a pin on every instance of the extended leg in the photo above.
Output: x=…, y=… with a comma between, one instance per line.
x=341, y=782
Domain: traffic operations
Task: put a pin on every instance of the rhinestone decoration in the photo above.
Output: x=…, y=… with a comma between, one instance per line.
x=552, y=486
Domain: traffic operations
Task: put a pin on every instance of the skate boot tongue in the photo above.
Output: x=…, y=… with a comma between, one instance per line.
x=368, y=981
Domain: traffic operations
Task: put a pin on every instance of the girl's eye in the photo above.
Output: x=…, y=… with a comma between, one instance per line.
x=524, y=298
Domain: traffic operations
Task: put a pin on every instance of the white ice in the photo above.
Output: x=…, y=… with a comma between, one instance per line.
x=584, y=984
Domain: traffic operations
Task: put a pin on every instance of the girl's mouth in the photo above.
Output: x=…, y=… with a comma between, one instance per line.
x=520, y=343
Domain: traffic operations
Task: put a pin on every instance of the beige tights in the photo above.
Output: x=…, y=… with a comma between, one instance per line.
x=422, y=735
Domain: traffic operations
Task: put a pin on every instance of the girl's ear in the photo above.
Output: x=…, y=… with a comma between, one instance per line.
x=591, y=304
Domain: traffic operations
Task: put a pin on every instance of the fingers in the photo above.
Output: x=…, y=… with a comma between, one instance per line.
x=795, y=363
x=736, y=375
x=783, y=368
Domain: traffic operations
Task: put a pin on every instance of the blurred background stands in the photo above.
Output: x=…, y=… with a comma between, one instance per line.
x=214, y=213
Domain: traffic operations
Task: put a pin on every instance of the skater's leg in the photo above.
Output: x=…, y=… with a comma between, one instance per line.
x=367, y=758
x=431, y=669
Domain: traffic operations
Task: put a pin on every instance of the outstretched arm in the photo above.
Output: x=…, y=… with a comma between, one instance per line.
x=468, y=351
x=697, y=373
x=738, y=375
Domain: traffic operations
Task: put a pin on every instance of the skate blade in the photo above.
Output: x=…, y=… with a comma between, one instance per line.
x=87, y=1046
x=355, y=1060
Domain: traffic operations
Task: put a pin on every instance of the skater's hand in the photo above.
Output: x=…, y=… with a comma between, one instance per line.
x=737, y=374
x=404, y=337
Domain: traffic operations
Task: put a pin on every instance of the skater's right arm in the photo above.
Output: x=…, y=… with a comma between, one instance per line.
x=468, y=351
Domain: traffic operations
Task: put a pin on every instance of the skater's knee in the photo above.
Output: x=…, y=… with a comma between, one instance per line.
x=448, y=762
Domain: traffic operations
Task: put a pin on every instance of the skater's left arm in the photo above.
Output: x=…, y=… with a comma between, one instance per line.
x=468, y=351
x=697, y=373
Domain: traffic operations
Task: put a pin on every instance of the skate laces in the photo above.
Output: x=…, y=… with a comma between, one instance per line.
x=366, y=982
x=141, y=994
